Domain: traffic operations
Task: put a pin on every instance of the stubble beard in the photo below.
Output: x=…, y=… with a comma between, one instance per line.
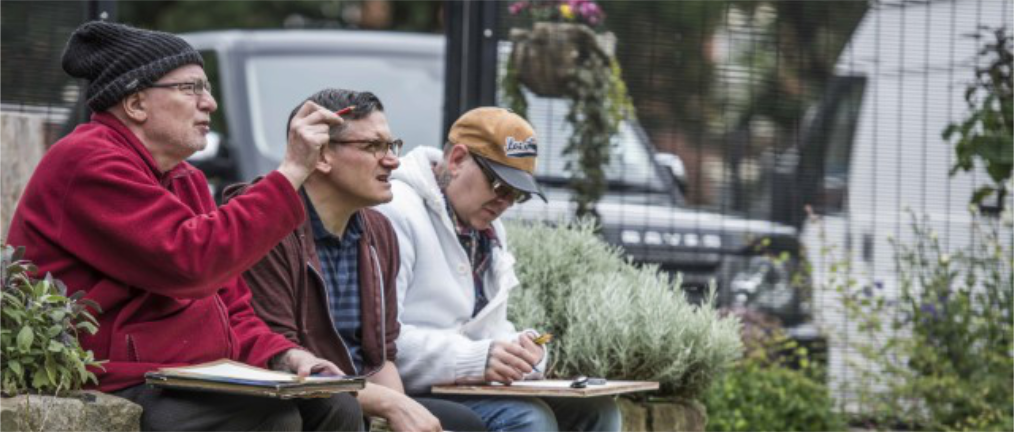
x=443, y=179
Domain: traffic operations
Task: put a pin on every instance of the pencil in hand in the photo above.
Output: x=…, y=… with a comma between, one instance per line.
x=543, y=339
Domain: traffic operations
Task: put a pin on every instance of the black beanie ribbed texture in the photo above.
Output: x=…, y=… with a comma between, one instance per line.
x=119, y=60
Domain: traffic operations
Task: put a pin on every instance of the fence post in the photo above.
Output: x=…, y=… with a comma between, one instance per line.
x=21, y=147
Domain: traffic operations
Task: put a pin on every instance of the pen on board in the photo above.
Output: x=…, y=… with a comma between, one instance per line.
x=583, y=382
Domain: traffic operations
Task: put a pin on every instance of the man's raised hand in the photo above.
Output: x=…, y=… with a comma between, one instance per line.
x=309, y=131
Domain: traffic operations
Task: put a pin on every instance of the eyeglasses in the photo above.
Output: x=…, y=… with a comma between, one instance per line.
x=379, y=148
x=192, y=88
x=501, y=189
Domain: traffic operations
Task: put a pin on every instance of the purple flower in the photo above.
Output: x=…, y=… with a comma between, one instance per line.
x=592, y=12
x=929, y=308
x=581, y=11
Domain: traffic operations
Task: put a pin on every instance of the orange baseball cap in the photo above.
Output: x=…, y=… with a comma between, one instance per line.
x=505, y=141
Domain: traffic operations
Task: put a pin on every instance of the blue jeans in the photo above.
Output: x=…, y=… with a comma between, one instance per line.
x=521, y=414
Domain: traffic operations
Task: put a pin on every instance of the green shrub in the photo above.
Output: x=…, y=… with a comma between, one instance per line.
x=39, y=328
x=756, y=397
x=612, y=318
x=942, y=347
x=776, y=386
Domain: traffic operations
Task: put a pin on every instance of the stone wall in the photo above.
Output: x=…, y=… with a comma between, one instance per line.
x=82, y=411
x=22, y=143
x=678, y=415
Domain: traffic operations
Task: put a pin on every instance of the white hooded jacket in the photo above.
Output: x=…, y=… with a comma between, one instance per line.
x=440, y=341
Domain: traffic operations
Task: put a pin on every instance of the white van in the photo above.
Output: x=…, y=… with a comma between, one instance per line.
x=902, y=80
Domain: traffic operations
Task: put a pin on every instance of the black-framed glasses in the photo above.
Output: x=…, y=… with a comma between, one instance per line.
x=192, y=88
x=379, y=148
x=501, y=189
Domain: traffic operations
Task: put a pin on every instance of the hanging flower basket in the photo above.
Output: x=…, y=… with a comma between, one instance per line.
x=547, y=56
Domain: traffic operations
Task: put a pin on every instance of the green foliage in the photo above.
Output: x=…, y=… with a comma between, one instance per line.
x=776, y=386
x=39, y=331
x=754, y=397
x=611, y=318
x=943, y=347
x=986, y=135
x=591, y=137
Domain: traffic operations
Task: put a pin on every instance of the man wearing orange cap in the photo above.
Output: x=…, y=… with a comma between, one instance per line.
x=456, y=274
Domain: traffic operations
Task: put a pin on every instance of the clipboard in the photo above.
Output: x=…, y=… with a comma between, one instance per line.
x=547, y=388
x=227, y=376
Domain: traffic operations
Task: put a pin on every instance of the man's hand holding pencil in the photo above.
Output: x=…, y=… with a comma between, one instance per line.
x=511, y=361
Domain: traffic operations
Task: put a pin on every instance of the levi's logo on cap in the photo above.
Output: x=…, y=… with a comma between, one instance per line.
x=517, y=149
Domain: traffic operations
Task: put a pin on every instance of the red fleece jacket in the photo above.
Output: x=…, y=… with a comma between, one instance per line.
x=153, y=250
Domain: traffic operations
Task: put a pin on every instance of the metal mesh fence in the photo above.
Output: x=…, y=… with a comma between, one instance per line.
x=746, y=115
x=812, y=129
x=31, y=80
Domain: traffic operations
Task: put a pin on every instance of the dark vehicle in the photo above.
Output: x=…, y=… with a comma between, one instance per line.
x=259, y=76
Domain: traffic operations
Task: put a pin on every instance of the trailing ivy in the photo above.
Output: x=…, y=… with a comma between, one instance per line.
x=592, y=131
x=39, y=327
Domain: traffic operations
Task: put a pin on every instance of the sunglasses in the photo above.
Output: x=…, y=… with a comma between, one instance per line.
x=501, y=189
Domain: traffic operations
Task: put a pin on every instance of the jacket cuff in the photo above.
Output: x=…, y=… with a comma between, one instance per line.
x=470, y=361
x=292, y=201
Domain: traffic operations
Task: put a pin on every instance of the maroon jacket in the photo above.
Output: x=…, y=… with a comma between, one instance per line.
x=153, y=251
x=289, y=292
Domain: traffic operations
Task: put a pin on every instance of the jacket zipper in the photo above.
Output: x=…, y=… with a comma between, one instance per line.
x=383, y=307
x=225, y=323
x=327, y=298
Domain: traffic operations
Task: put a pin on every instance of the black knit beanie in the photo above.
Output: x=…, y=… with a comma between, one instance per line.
x=119, y=60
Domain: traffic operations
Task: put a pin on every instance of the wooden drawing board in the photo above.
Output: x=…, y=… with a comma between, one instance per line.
x=550, y=388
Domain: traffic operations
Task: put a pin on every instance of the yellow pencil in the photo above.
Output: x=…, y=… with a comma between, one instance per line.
x=543, y=338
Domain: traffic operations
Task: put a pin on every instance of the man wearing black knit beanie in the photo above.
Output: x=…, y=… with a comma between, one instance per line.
x=114, y=210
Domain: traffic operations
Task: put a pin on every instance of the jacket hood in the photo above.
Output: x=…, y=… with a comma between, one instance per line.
x=416, y=171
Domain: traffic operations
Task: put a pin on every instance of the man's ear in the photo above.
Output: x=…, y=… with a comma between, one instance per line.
x=325, y=160
x=135, y=107
x=456, y=158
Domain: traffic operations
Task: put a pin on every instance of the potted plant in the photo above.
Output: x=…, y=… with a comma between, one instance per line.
x=548, y=55
x=563, y=56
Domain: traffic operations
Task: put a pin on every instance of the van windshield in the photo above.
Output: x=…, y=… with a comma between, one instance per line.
x=411, y=89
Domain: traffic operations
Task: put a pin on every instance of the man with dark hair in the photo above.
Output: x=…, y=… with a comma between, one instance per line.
x=329, y=286
x=115, y=211
x=457, y=274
